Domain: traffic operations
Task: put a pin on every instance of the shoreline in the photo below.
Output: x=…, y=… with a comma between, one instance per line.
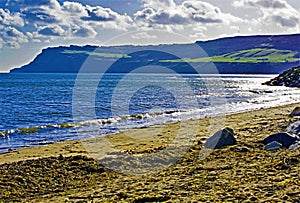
x=139, y=127
x=77, y=144
x=250, y=127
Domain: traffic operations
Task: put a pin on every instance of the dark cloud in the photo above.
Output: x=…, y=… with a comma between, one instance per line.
x=166, y=18
x=39, y=15
x=206, y=19
x=268, y=3
x=286, y=22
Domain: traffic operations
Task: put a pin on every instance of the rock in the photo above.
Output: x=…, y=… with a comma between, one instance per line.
x=285, y=139
x=240, y=149
x=295, y=112
x=295, y=145
x=289, y=78
x=243, y=149
x=294, y=128
x=273, y=146
x=220, y=139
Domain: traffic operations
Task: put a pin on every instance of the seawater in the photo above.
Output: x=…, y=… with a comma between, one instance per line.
x=38, y=109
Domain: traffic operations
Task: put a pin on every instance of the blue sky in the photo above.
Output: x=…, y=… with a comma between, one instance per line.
x=27, y=26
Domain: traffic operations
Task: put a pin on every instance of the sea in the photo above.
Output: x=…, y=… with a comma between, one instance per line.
x=40, y=109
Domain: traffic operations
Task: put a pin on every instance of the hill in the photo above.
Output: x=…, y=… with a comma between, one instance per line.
x=239, y=55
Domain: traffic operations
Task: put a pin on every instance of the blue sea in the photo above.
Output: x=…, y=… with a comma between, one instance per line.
x=39, y=109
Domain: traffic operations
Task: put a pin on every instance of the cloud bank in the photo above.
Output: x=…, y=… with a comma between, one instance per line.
x=23, y=21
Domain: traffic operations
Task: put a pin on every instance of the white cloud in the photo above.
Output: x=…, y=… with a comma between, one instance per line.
x=41, y=20
x=50, y=20
x=74, y=8
x=156, y=13
x=84, y=32
x=6, y=18
x=13, y=37
x=159, y=4
x=54, y=30
x=274, y=13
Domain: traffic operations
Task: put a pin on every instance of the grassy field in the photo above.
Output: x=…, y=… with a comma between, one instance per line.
x=90, y=53
x=256, y=55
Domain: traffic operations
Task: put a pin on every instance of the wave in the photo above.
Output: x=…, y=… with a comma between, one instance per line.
x=34, y=129
x=89, y=123
x=124, y=122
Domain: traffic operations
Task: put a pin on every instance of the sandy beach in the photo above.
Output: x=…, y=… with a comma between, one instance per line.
x=67, y=172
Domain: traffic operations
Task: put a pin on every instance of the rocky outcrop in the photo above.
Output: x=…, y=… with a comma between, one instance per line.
x=289, y=78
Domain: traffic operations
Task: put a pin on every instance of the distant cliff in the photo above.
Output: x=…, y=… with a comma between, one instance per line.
x=289, y=78
x=241, y=55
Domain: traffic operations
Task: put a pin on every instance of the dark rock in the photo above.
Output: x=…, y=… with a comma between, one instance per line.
x=289, y=78
x=273, y=146
x=220, y=139
x=294, y=128
x=295, y=145
x=285, y=139
x=295, y=112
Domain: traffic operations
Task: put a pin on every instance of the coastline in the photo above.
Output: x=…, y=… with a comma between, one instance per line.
x=245, y=169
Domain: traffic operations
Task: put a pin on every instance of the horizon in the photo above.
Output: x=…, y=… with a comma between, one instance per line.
x=27, y=26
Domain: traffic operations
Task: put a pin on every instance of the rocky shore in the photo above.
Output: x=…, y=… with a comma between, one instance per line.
x=241, y=172
x=289, y=78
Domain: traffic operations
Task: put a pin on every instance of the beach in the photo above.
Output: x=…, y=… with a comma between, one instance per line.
x=66, y=172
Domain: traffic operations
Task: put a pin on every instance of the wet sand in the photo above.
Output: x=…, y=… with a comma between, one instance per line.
x=67, y=172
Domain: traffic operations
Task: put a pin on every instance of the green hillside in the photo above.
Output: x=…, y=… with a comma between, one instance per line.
x=256, y=55
x=92, y=53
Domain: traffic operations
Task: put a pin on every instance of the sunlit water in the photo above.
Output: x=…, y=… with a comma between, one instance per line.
x=36, y=109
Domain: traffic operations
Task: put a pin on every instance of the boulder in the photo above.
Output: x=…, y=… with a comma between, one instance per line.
x=295, y=145
x=285, y=139
x=294, y=128
x=273, y=146
x=295, y=112
x=220, y=139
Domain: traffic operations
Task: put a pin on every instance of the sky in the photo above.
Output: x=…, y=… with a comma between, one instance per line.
x=28, y=26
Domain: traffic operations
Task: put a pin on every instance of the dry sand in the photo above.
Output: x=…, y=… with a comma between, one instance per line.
x=66, y=172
